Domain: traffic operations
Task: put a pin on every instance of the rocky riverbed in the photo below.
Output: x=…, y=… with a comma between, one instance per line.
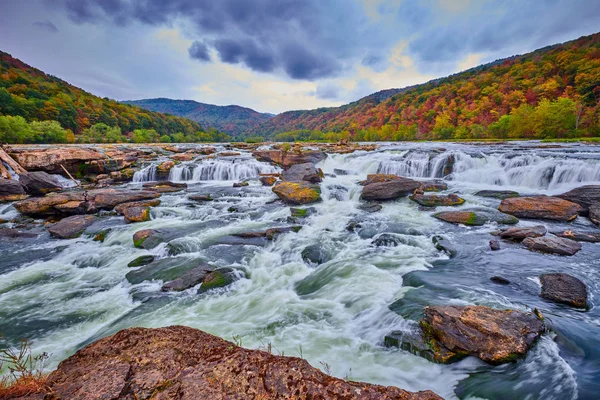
x=470, y=270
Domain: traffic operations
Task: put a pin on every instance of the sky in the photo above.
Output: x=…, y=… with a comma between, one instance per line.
x=277, y=55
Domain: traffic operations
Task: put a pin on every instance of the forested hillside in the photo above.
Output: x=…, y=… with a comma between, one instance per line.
x=40, y=108
x=553, y=92
x=234, y=120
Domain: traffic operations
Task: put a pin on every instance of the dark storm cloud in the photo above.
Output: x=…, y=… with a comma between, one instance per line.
x=199, y=51
x=46, y=25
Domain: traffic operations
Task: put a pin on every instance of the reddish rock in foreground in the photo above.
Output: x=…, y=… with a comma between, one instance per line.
x=185, y=363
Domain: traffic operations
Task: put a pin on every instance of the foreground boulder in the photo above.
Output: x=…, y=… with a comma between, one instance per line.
x=540, y=207
x=11, y=190
x=553, y=245
x=71, y=227
x=188, y=364
x=389, y=188
x=39, y=183
x=475, y=217
x=585, y=196
x=297, y=192
x=51, y=159
x=303, y=172
x=565, y=289
x=434, y=200
x=519, y=234
x=450, y=333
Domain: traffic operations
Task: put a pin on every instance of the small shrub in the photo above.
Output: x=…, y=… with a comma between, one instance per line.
x=24, y=373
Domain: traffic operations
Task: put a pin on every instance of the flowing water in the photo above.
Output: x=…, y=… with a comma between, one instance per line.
x=65, y=294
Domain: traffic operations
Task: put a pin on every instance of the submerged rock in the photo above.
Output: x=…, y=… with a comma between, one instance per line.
x=188, y=364
x=542, y=207
x=302, y=212
x=297, y=192
x=11, y=233
x=140, y=261
x=434, y=200
x=499, y=280
x=240, y=184
x=594, y=213
x=216, y=279
x=189, y=279
x=11, y=190
x=272, y=233
x=580, y=236
x=553, y=245
x=584, y=196
x=494, y=245
x=519, y=234
x=497, y=194
x=494, y=336
x=136, y=214
x=388, y=187
x=315, y=254
x=71, y=227
x=39, y=183
x=564, y=288
x=370, y=207
x=433, y=186
x=443, y=244
x=475, y=217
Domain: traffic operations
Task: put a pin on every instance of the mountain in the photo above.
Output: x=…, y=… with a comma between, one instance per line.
x=234, y=120
x=551, y=92
x=30, y=93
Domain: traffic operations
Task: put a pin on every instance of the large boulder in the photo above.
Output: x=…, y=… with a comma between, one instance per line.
x=540, y=207
x=434, y=200
x=71, y=227
x=585, y=196
x=297, y=192
x=188, y=364
x=51, y=159
x=494, y=336
x=136, y=214
x=189, y=279
x=286, y=159
x=39, y=183
x=11, y=190
x=553, y=245
x=519, y=234
x=388, y=189
x=53, y=204
x=107, y=199
x=594, y=213
x=143, y=203
x=476, y=217
x=303, y=172
x=564, y=288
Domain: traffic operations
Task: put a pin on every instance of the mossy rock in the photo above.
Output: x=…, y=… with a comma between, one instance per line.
x=220, y=278
x=142, y=260
x=476, y=217
x=297, y=192
x=302, y=212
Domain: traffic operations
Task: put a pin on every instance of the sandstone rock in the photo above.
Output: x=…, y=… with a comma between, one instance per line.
x=519, y=234
x=594, y=213
x=287, y=159
x=495, y=336
x=585, y=196
x=183, y=157
x=189, y=279
x=165, y=186
x=543, y=207
x=553, y=245
x=497, y=194
x=378, y=178
x=389, y=189
x=140, y=261
x=297, y=192
x=143, y=203
x=201, y=197
x=107, y=199
x=188, y=364
x=433, y=200
x=39, y=183
x=475, y=217
x=136, y=214
x=580, y=236
x=11, y=190
x=433, y=186
x=565, y=289
x=71, y=227
x=216, y=279
x=51, y=159
x=47, y=205
x=163, y=169
x=303, y=172
x=267, y=180
x=240, y=184
x=140, y=238
x=125, y=175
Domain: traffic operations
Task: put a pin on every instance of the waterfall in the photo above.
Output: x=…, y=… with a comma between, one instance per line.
x=147, y=174
x=219, y=170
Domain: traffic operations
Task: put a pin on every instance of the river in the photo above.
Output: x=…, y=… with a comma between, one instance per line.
x=64, y=294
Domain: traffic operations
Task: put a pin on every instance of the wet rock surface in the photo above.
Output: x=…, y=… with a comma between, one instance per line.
x=519, y=234
x=564, y=288
x=136, y=214
x=475, y=217
x=553, y=245
x=579, y=236
x=139, y=363
x=297, y=192
x=39, y=183
x=433, y=200
x=287, y=159
x=71, y=227
x=302, y=172
x=388, y=188
x=11, y=190
x=594, y=213
x=585, y=196
x=189, y=279
x=497, y=194
x=540, y=207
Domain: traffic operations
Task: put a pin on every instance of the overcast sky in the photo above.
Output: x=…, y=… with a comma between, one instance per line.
x=276, y=55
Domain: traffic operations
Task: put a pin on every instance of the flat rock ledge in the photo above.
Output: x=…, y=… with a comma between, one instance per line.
x=185, y=363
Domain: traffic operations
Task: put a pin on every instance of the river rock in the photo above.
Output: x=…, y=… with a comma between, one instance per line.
x=443, y=244
x=370, y=207
x=303, y=172
x=378, y=178
x=433, y=186
x=315, y=254
x=107, y=199
x=564, y=288
x=494, y=245
x=519, y=234
x=11, y=233
x=297, y=192
x=475, y=217
x=39, y=183
x=51, y=159
x=497, y=194
x=144, y=203
x=540, y=207
x=136, y=214
x=500, y=280
x=585, y=196
x=434, y=200
x=165, y=167
x=189, y=279
x=272, y=233
x=594, y=213
x=145, y=235
x=216, y=279
x=201, y=197
x=389, y=189
x=302, y=212
x=71, y=227
x=287, y=159
x=580, y=236
x=188, y=364
x=141, y=261
x=553, y=245
x=494, y=336
x=165, y=186
x=11, y=190
x=267, y=180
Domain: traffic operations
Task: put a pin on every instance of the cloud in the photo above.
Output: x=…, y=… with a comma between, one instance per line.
x=328, y=91
x=46, y=25
x=199, y=51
